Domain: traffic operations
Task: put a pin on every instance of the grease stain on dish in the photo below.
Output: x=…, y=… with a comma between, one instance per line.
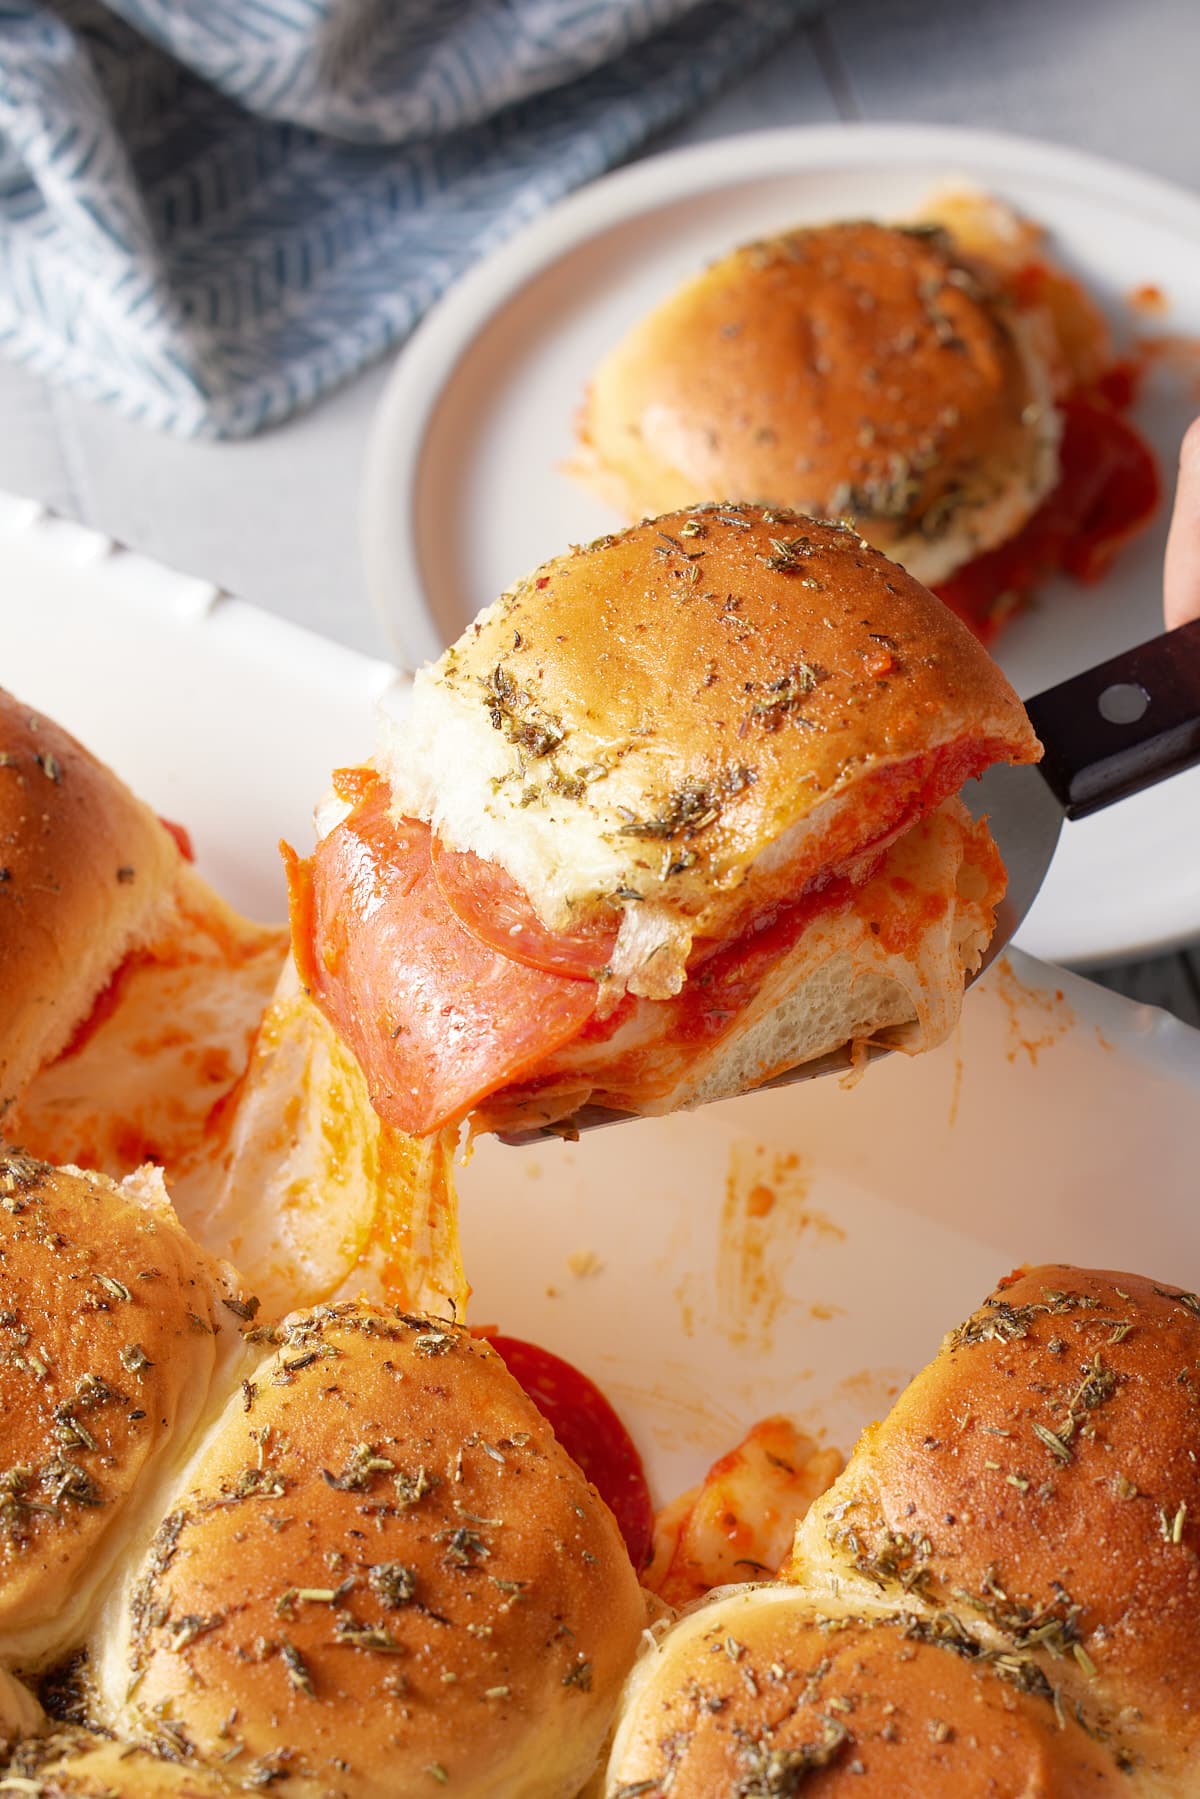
x=1178, y=353
x=1038, y=1017
x=764, y=1217
x=956, y=1087
x=1148, y=299
x=671, y=1410
x=857, y=1400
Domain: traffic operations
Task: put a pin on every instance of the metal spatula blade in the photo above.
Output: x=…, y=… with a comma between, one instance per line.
x=1107, y=733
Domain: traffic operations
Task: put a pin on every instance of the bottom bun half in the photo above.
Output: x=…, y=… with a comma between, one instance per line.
x=885, y=962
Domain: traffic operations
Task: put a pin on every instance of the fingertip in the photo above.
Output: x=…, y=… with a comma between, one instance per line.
x=1189, y=451
x=1181, y=570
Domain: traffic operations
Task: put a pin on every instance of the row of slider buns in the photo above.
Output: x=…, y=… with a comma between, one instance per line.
x=341, y=1553
x=337, y=1553
x=996, y=1597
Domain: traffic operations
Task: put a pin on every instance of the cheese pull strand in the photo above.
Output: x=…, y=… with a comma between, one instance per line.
x=318, y=1197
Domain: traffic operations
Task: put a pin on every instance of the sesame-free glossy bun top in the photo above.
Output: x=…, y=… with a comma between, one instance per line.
x=112, y=1322
x=854, y=367
x=645, y=715
x=83, y=865
x=388, y=1572
x=1041, y=1480
x=754, y=1695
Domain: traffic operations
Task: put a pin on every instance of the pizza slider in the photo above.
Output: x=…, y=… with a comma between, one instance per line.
x=1041, y=1480
x=145, y=1021
x=997, y=1595
x=343, y=1555
x=938, y=380
x=117, y=1332
x=756, y=1693
x=132, y=991
x=675, y=814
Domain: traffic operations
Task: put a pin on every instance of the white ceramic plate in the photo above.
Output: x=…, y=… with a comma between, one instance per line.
x=1063, y=1123
x=464, y=489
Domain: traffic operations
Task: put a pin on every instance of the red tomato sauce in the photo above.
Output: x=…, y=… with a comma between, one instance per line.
x=591, y=1433
x=1108, y=489
x=104, y=1004
x=182, y=836
x=720, y=990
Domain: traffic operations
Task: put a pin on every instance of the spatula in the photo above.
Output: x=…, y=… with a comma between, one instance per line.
x=1107, y=734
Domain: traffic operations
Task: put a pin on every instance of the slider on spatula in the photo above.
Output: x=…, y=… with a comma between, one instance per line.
x=675, y=814
x=132, y=1030
x=340, y=1557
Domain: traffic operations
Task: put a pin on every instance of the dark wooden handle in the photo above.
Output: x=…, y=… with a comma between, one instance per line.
x=1123, y=725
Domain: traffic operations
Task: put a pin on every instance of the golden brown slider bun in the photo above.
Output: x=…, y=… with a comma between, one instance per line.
x=1040, y=1480
x=753, y=1695
x=845, y=368
x=113, y=1325
x=132, y=991
x=83, y=866
x=640, y=720
x=76, y=1764
x=382, y=1575
x=137, y=1026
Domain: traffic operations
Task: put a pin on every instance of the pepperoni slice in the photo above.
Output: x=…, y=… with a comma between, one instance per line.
x=1108, y=488
x=495, y=909
x=182, y=836
x=1111, y=491
x=591, y=1433
x=437, y=1019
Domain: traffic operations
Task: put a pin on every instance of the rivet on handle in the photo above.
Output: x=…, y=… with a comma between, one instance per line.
x=1123, y=703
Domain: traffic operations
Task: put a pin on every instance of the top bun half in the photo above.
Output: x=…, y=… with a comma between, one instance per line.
x=642, y=718
x=851, y=368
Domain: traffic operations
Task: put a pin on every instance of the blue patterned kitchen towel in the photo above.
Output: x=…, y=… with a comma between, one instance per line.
x=212, y=211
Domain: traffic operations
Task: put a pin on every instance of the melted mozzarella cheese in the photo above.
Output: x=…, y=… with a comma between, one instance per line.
x=207, y=1060
x=147, y=1075
x=448, y=766
x=316, y=1197
x=739, y=1523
